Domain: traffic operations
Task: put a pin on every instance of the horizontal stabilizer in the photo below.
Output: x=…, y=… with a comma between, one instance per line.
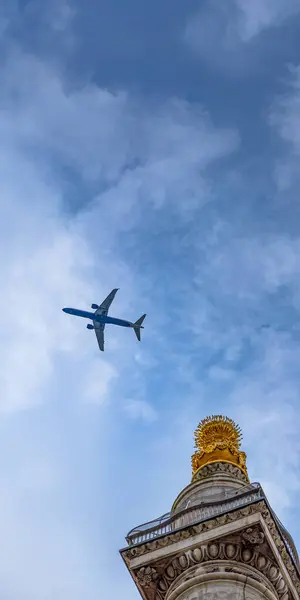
x=138, y=326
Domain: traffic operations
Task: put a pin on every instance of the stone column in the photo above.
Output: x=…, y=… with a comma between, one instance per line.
x=221, y=539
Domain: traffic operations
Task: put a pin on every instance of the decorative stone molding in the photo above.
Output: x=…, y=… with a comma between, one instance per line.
x=253, y=536
x=219, y=468
x=235, y=553
x=147, y=577
x=207, y=525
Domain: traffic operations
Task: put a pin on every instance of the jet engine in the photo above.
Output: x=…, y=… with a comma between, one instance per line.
x=89, y=326
x=94, y=306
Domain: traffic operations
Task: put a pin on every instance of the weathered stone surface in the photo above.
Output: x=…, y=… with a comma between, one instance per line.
x=223, y=590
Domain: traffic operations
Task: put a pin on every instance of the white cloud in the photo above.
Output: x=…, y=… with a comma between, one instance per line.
x=235, y=294
x=98, y=381
x=140, y=409
x=113, y=140
x=285, y=119
x=145, y=360
x=225, y=34
x=254, y=17
x=271, y=436
x=33, y=327
x=285, y=115
x=221, y=374
x=211, y=29
x=63, y=13
x=43, y=555
x=250, y=266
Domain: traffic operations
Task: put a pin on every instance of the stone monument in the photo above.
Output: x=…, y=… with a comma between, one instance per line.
x=221, y=540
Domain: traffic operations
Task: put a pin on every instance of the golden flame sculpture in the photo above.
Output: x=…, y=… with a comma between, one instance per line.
x=218, y=439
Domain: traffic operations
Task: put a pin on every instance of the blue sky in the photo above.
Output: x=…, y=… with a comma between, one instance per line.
x=155, y=148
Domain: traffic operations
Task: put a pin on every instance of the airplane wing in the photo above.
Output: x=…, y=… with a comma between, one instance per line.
x=99, y=331
x=104, y=307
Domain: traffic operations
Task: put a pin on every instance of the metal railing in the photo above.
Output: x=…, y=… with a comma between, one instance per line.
x=192, y=514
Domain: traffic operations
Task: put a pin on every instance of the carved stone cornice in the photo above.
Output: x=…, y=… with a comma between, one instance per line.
x=219, y=468
x=189, y=532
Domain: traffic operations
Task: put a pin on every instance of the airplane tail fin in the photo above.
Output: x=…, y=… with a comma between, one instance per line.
x=138, y=326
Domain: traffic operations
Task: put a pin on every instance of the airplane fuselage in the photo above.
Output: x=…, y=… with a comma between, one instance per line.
x=85, y=314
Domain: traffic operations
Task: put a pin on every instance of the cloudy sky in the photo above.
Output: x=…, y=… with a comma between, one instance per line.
x=152, y=147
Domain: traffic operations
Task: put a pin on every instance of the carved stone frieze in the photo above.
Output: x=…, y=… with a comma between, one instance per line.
x=219, y=467
x=220, y=551
x=248, y=552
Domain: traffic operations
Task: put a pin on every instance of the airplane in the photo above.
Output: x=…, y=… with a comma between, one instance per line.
x=100, y=319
